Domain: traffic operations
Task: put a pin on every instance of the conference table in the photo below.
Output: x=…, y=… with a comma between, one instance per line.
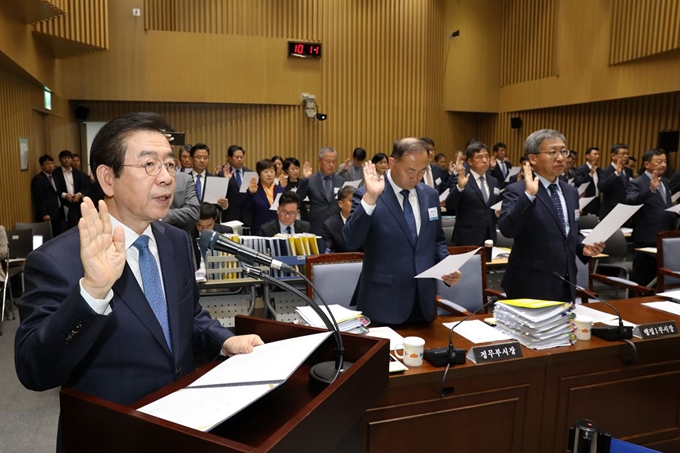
x=528, y=404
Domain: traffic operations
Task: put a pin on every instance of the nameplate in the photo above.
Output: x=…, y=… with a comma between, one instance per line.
x=656, y=330
x=495, y=352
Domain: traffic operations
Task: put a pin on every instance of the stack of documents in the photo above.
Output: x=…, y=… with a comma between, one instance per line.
x=348, y=320
x=537, y=324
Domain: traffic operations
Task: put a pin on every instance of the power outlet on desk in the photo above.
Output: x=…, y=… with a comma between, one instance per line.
x=441, y=356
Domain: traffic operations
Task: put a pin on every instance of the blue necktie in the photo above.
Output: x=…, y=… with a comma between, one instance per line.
x=199, y=193
x=238, y=178
x=558, y=205
x=408, y=214
x=483, y=189
x=153, y=287
x=328, y=187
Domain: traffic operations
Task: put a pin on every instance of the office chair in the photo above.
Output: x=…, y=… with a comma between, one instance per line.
x=667, y=260
x=20, y=244
x=43, y=229
x=335, y=275
x=616, y=248
x=588, y=222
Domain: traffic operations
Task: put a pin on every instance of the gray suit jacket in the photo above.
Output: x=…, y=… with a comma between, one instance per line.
x=183, y=212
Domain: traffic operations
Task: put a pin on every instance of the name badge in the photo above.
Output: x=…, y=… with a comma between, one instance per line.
x=336, y=190
x=432, y=213
x=438, y=181
x=496, y=191
x=577, y=214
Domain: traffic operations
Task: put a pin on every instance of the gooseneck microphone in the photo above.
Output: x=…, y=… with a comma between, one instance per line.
x=609, y=333
x=215, y=241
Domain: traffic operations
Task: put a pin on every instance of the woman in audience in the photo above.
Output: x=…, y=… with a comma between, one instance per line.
x=278, y=169
x=380, y=162
x=260, y=196
x=291, y=174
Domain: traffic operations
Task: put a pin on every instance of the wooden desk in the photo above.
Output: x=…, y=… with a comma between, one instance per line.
x=527, y=405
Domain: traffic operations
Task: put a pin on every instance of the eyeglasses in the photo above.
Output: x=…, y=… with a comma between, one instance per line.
x=288, y=213
x=554, y=152
x=153, y=167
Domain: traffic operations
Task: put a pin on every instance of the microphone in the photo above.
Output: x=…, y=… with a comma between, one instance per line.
x=215, y=241
x=609, y=333
x=451, y=355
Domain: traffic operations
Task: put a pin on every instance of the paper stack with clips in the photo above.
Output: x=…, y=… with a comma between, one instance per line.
x=348, y=320
x=537, y=324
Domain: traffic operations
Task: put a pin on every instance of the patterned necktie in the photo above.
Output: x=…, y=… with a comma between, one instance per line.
x=483, y=189
x=408, y=214
x=153, y=287
x=238, y=178
x=558, y=205
x=199, y=192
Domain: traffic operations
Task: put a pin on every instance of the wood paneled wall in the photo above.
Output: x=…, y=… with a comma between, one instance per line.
x=85, y=21
x=634, y=121
x=641, y=28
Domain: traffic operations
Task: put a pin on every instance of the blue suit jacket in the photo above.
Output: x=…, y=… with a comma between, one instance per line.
x=257, y=207
x=475, y=221
x=386, y=289
x=120, y=357
x=540, y=246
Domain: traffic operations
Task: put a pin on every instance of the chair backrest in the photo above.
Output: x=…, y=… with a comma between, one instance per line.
x=668, y=257
x=43, y=229
x=335, y=276
x=588, y=221
x=448, y=234
x=616, y=247
x=469, y=291
x=449, y=221
x=20, y=243
x=502, y=241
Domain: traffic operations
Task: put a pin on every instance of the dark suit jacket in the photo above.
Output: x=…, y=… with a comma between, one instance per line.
x=475, y=221
x=194, y=236
x=80, y=185
x=233, y=211
x=332, y=234
x=439, y=178
x=613, y=188
x=583, y=176
x=497, y=173
x=46, y=202
x=386, y=290
x=320, y=206
x=271, y=228
x=120, y=357
x=257, y=205
x=540, y=246
x=652, y=217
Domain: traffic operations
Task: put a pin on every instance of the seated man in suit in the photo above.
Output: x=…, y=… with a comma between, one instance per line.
x=286, y=221
x=542, y=217
x=396, y=219
x=332, y=227
x=590, y=172
x=472, y=197
x=651, y=190
x=207, y=220
x=614, y=179
x=119, y=318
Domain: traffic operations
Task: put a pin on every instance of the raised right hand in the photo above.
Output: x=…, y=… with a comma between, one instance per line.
x=252, y=187
x=375, y=184
x=531, y=183
x=306, y=170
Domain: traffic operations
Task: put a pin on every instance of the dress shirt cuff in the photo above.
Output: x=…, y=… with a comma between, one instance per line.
x=367, y=207
x=460, y=189
x=530, y=197
x=100, y=306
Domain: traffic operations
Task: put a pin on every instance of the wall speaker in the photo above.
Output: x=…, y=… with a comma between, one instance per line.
x=82, y=113
x=515, y=122
x=669, y=140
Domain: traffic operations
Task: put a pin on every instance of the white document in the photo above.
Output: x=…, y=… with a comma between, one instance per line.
x=354, y=184
x=612, y=222
x=275, y=205
x=497, y=206
x=215, y=188
x=674, y=294
x=669, y=307
x=596, y=315
x=513, y=171
x=674, y=208
x=234, y=384
x=445, y=194
x=339, y=312
x=245, y=182
x=583, y=202
x=500, y=252
x=675, y=197
x=387, y=333
x=447, y=266
x=582, y=188
x=477, y=331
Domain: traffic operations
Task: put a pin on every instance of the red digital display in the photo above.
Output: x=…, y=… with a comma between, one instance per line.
x=304, y=49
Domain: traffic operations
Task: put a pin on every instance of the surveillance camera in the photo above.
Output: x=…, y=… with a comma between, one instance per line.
x=321, y=116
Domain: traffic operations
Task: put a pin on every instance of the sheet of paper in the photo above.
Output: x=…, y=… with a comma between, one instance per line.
x=204, y=408
x=354, y=184
x=497, y=206
x=669, y=307
x=583, y=202
x=444, y=194
x=596, y=315
x=628, y=231
x=215, y=188
x=447, y=266
x=245, y=182
x=582, y=188
x=477, y=331
x=674, y=294
x=387, y=333
x=275, y=205
x=500, y=252
x=513, y=171
x=675, y=197
x=650, y=250
x=612, y=222
x=674, y=208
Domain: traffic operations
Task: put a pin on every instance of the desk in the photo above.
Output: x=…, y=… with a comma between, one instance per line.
x=527, y=405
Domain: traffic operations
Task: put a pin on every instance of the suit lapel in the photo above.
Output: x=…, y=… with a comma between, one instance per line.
x=424, y=211
x=571, y=208
x=392, y=203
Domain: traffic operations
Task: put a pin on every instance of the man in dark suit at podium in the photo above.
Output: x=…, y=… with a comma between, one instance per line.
x=111, y=308
x=396, y=219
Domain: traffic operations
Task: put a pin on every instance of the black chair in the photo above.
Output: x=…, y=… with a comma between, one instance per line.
x=588, y=222
x=617, y=260
x=20, y=244
x=43, y=229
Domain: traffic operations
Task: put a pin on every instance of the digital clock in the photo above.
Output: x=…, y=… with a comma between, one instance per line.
x=304, y=49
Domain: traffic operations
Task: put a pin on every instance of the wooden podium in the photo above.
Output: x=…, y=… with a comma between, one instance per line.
x=290, y=418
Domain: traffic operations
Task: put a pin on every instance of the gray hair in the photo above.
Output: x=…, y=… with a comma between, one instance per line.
x=532, y=145
x=325, y=150
x=408, y=145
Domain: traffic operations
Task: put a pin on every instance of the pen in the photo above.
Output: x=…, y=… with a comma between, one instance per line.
x=236, y=384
